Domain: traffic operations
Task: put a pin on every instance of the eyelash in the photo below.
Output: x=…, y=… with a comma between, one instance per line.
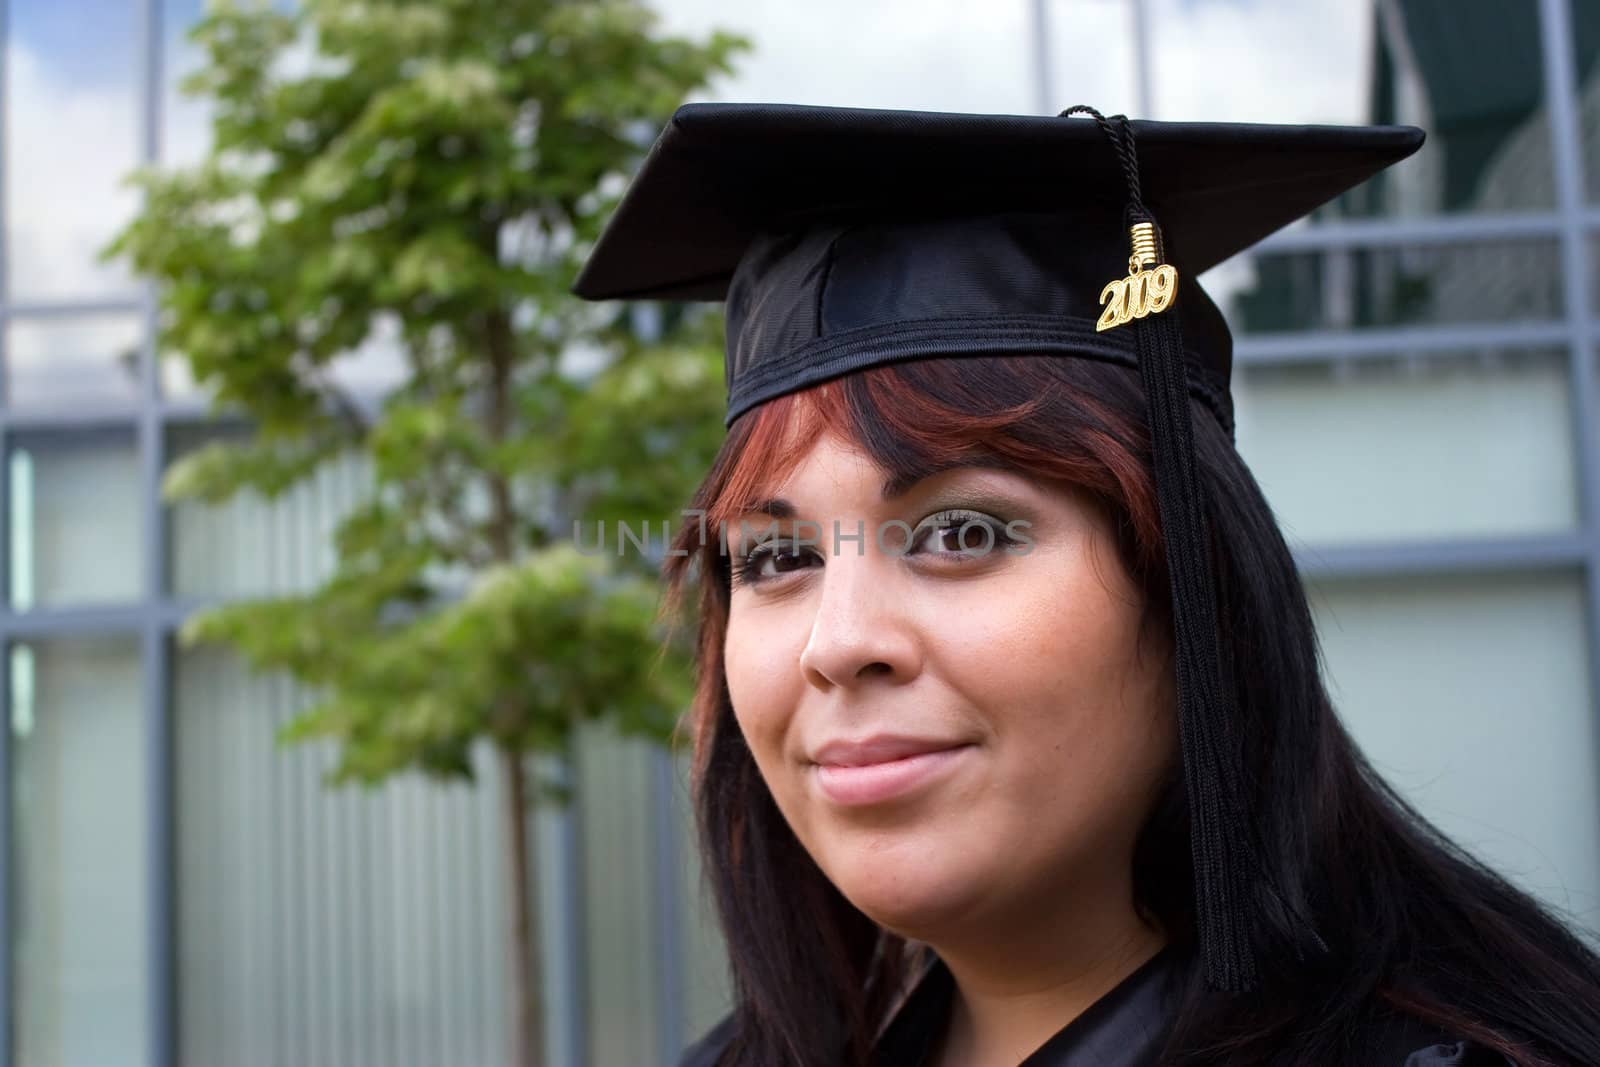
x=747, y=569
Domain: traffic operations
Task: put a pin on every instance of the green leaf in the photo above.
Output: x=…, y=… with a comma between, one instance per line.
x=423, y=178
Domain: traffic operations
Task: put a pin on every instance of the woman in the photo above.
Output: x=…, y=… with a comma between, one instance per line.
x=1011, y=745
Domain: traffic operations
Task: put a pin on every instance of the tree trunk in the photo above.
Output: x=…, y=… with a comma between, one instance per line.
x=526, y=1000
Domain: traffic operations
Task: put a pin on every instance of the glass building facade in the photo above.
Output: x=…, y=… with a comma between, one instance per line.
x=1416, y=380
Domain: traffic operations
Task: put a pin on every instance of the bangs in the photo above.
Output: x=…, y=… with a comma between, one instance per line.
x=767, y=443
x=912, y=419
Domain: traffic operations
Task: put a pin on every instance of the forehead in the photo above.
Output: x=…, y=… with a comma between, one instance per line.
x=837, y=472
x=879, y=438
x=832, y=466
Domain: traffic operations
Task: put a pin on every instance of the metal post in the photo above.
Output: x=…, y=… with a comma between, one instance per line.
x=7, y=1010
x=1141, y=58
x=8, y=924
x=1561, y=99
x=154, y=655
x=1044, y=92
x=669, y=906
x=574, y=943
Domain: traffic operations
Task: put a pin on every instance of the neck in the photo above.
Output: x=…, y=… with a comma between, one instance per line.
x=1015, y=988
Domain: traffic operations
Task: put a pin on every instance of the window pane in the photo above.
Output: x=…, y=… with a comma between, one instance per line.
x=81, y=912
x=1412, y=61
x=1472, y=695
x=250, y=546
x=185, y=139
x=1594, y=274
x=947, y=54
x=1393, y=450
x=329, y=926
x=1093, y=57
x=185, y=120
x=72, y=129
x=621, y=898
x=655, y=961
x=1586, y=51
x=178, y=384
x=67, y=365
x=1359, y=288
x=76, y=532
x=708, y=988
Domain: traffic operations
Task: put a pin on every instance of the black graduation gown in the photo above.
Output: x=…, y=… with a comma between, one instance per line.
x=1124, y=1028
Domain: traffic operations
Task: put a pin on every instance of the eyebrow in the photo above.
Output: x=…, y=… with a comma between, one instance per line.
x=894, y=486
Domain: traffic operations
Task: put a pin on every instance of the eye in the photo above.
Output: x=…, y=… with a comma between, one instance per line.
x=770, y=559
x=960, y=535
x=956, y=536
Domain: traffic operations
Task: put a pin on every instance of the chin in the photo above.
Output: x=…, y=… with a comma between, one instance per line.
x=901, y=887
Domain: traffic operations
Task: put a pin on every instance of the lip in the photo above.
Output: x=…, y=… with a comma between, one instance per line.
x=883, y=769
x=879, y=748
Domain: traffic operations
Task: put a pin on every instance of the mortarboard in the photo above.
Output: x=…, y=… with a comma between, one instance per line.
x=845, y=238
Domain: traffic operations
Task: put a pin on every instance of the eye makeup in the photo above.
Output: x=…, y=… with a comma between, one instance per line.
x=973, y=519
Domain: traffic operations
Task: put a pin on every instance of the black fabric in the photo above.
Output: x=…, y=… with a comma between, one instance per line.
x=722, y=174
x=708, y=1050
x=844, y=238
x=1126, y=1027
x=805, y=307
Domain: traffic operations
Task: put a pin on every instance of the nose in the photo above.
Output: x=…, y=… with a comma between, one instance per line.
x=861, y=630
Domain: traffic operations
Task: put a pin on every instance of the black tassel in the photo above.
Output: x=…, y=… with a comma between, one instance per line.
x=1226, y=856
x=1221, y=828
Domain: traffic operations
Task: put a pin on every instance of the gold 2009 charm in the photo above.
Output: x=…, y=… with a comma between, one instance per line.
x=1142, y=292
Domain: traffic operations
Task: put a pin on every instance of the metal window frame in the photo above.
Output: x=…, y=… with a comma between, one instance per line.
x=1572, y=223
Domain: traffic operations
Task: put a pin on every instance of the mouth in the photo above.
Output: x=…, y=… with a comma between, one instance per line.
x=877, y=783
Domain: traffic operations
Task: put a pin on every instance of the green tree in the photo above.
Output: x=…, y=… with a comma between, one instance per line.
x=439, y=168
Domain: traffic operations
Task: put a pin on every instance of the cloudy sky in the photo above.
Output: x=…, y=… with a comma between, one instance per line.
x=73, y=109
x=1210, y=58
x=72, y=67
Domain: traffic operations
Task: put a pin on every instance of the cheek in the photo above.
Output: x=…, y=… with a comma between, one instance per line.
x=1059, y=641
x=760, y=665
x=1079, y=712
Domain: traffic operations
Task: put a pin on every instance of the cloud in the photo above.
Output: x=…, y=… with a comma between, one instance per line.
x=1254, y=61
x=1240, y=60
x=59, y=363
x=922, y=54
x=1212, y=60
x=66, y=150
x=1243, y=60
x=68, y=146
x=69, y=142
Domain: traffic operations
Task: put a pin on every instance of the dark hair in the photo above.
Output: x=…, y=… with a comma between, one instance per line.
x=1412, y=923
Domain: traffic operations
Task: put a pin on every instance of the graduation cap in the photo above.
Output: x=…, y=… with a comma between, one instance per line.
x=847, y=238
